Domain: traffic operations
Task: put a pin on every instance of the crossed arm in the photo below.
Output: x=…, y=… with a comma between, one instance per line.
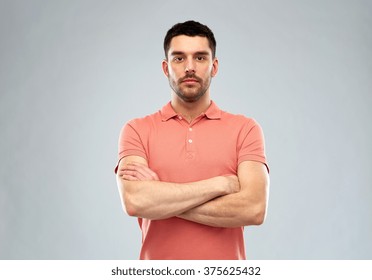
x=222, y=201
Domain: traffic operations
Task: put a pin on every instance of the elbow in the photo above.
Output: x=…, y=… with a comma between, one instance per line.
x=261, y=212
x=136, y=208
x=131, y=206
x=128, y=201
x=259, y=218
x=255, y=216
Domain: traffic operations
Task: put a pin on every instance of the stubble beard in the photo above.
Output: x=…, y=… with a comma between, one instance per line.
x=185, y=96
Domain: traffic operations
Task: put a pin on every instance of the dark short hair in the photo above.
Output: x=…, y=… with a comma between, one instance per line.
x=190, y=28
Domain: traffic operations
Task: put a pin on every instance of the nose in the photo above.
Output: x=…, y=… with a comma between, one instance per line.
x=190, y=66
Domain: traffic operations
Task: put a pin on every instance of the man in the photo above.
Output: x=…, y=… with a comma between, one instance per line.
x=193, y=175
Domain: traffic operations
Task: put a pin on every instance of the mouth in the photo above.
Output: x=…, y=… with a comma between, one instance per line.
x=189, y=81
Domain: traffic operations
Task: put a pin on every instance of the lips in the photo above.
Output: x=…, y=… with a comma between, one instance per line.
x=189, y=81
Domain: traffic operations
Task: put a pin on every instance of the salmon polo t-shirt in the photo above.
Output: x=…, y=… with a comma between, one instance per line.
x=213, y=144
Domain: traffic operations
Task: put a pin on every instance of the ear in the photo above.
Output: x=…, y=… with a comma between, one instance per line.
x=214, y=67
x=164, y=66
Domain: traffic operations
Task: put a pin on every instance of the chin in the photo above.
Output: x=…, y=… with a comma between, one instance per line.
x=190, y=97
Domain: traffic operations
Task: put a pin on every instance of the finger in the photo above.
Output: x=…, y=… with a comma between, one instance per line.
x=129, y=178
x=148, y=170
x=144, y=170
x=136, y=174
x=137, y=163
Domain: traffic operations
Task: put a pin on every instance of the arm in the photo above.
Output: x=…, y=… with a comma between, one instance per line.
x=246, y=207
x=143, y=195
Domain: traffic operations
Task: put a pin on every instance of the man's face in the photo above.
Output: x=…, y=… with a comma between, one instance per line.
x=190, y=67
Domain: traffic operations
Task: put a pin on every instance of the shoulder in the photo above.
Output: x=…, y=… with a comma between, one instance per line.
x=138, y=127
x=238, y=119
x=143, y=122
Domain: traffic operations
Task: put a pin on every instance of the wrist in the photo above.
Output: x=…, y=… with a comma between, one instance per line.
x=223, y=185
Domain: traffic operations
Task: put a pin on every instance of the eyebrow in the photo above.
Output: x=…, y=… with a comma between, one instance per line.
x=182, y=53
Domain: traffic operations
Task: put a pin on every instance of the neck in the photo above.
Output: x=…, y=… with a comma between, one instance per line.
x=190, y=110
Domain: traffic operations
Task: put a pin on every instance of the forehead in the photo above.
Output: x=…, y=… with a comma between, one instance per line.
x=188, y=44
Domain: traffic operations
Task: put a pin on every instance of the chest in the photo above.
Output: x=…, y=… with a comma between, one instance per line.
x=181, y=152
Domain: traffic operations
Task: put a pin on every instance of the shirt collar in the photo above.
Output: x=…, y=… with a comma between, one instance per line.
x=167, y=112
x=213, y=112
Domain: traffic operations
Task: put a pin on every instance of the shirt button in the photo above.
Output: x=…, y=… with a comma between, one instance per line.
x=190, y=141
x=190, y=128
x=180, y=117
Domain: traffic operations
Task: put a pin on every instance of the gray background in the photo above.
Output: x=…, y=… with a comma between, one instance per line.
x=73, y=72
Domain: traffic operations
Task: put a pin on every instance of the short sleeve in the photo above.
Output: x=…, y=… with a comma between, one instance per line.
x=251, y=145
x=130, y=143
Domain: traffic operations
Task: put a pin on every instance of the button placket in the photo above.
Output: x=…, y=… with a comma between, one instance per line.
x=190, y=136
x=190, y=143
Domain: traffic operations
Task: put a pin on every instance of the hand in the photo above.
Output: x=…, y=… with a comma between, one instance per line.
x=135, y=171
x=233, y=183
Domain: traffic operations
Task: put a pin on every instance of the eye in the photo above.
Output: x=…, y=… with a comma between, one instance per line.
x=200, y=58
x=178, y=59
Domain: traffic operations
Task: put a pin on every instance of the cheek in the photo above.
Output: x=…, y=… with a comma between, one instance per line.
x=175, y=74
x=208, y=72
x=172, y=76
x=171, y=71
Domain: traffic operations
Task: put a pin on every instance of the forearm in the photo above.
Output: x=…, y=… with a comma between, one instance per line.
x=160, y=200
x=232, y=210
x=243, y=208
